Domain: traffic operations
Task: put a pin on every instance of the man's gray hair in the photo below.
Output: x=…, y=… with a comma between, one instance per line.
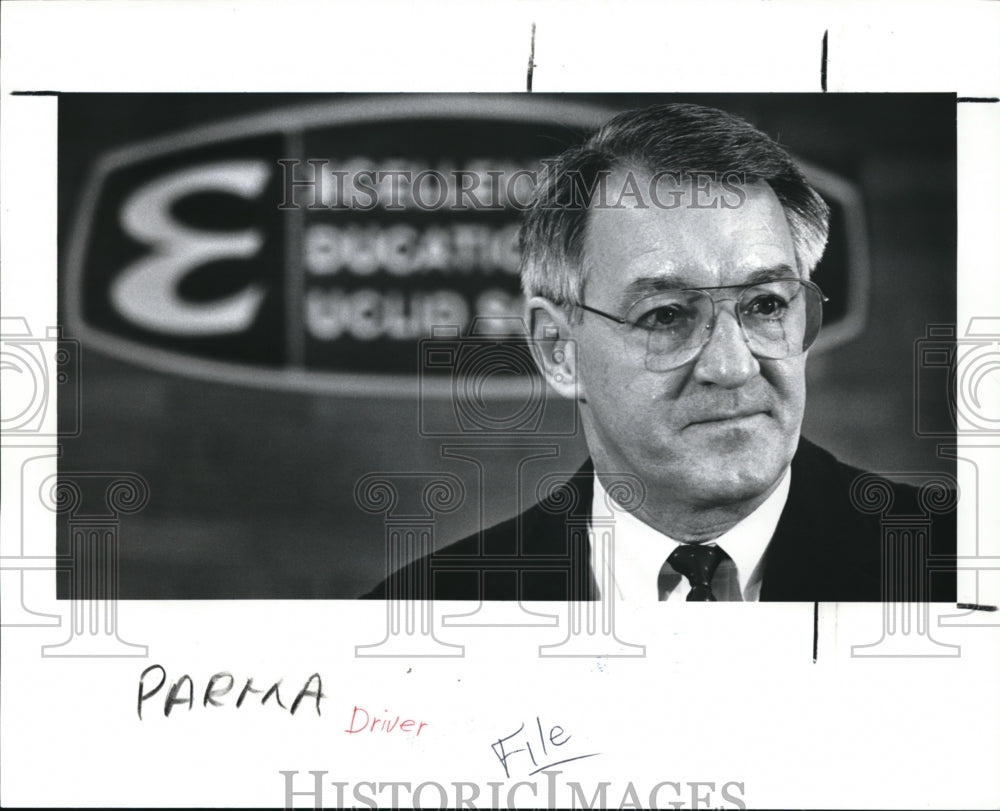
x=676, y=139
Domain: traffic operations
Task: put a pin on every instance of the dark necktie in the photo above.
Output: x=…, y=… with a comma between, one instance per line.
x=697, y=562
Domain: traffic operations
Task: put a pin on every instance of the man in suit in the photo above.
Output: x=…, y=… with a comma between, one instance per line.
x=666, y=266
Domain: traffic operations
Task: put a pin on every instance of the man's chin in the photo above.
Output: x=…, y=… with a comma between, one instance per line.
x=734, y=490
x=742, y=466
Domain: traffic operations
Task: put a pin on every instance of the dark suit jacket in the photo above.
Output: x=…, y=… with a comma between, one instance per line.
x=824, y=548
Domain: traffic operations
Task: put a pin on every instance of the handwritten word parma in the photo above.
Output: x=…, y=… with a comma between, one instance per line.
x=218, y=692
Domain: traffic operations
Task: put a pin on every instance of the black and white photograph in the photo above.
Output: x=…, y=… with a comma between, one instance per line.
x=287, y=314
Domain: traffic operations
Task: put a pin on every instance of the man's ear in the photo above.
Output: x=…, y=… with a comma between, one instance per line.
x=554, y=350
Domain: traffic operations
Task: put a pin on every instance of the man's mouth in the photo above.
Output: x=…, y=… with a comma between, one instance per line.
x=726, y=417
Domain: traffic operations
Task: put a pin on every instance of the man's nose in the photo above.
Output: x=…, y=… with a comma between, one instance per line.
x=726, y=360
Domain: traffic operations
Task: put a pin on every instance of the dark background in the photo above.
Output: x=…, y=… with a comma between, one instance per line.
x=252, y=491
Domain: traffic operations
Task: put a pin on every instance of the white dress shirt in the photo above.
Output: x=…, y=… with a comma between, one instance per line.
x=640, y=551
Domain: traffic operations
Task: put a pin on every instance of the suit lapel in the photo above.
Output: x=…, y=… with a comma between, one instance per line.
x=822, y=548
x=558, y=528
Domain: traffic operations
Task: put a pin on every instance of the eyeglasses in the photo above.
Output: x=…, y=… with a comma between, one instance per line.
x=778, y=319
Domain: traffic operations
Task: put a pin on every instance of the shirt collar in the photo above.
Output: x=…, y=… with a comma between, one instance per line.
x=640, y=550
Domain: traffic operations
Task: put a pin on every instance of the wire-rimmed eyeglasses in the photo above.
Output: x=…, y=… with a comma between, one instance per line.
x=778, y=319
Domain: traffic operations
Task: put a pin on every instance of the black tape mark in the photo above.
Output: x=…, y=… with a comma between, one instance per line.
x=977, y=607
x=531, y=58
x=977, y=99
x=35, y=92
x=815, y=631
x=822, y=64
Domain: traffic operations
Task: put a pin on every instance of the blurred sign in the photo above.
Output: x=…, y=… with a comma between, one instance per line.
x=314, y=247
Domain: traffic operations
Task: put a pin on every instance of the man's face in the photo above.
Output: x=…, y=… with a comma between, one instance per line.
x=721, y=428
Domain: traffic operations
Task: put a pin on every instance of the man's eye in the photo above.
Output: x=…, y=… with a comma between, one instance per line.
x=767, y=306
x=662, y=318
